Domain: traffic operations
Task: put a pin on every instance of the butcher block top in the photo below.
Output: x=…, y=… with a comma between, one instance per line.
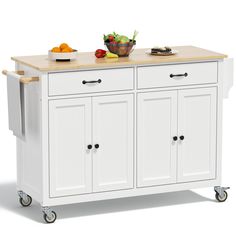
x=138, y=57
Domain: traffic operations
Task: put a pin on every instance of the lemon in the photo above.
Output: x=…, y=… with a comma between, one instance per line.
x=111, y=55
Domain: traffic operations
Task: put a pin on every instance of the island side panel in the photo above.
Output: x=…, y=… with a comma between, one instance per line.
x=219, y=121
x=29, y=148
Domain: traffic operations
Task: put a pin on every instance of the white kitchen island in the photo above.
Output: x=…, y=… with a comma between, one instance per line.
x=95, y=129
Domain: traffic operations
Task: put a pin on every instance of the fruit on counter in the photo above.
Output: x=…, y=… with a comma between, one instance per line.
x=99, y=53
x=111, y=55
x=111, y=38
x=120, y=44
x=56, y=49
x=64, y=47
x=123, y=39
x=68, y=49
x=116, y=38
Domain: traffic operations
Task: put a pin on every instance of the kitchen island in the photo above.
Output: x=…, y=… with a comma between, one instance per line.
x=95, y=129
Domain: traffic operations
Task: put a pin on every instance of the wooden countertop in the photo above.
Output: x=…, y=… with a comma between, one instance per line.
x=138, y=57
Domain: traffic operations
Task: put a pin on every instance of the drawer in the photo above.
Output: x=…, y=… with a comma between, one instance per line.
x=176, y=75
x=66, y=83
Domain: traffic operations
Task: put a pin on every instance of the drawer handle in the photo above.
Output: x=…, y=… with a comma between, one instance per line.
x=179, y=75
x=91, y=81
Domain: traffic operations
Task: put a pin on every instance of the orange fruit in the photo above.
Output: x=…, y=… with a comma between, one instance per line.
x=63, y=46
x=56, y=49
x=68, y=49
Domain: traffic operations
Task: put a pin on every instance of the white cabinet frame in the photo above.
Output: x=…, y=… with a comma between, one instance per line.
x=38, y=186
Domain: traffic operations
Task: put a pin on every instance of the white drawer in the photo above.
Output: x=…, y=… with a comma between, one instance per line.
x=176, y=75
x=90, y=81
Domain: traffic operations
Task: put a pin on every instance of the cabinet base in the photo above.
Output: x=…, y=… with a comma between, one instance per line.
x=96, y=196
x=50, y=216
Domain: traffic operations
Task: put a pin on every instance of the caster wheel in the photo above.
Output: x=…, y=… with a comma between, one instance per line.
x=221, y=199
x=50, y=219
x=25, y=202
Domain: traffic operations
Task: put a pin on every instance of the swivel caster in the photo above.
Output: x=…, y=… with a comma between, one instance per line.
x=24, y=199
x=221, y=194
x=48, y=215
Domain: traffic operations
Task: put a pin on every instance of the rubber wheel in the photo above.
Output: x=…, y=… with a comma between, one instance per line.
x=51, y=219
x=25, y=203
x=221, y=199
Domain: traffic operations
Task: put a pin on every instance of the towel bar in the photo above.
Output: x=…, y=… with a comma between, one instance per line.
x=23, y=80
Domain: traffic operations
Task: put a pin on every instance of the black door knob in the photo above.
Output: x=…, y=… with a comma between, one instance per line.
x=181, y=137
x=96, y=146
x=175, y=138
x=89, y=146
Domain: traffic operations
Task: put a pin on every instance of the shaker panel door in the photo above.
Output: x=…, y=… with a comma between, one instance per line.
x=69, y=135
x=197, y=124
x=113, y=128
x=156, y=149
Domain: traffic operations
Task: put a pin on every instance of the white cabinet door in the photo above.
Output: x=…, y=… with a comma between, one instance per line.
x=197, y=123
x=113, y=132
x=156, y=149
x=69, y=135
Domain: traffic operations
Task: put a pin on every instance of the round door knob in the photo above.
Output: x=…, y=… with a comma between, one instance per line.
x=181, y=137
x=89, y=146
x=175, y=138
x=96, y=146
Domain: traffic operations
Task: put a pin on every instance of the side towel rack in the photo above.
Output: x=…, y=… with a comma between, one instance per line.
x=15, y=94
x=23, y=80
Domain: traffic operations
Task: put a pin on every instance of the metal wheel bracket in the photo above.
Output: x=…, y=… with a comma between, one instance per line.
x=220, y=190
x=23, y=195
x=48, y=211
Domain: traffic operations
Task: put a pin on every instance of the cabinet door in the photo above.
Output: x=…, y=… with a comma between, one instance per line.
x=113, y=132
x=197, y=123
x=69, y=135
x=156, y=149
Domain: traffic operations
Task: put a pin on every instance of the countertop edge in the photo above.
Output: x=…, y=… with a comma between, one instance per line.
x=120, y=64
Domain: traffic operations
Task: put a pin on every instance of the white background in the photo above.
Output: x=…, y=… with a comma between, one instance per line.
x=32, y=27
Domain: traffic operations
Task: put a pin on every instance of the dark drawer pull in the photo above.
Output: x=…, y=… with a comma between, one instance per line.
x=91, y=81
x=179, y=75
